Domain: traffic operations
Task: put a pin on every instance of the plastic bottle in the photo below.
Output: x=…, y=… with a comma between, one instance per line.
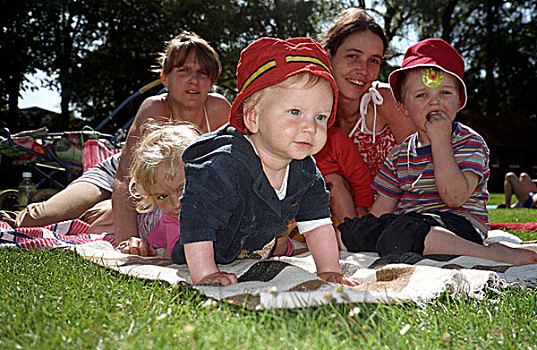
x=26, y=190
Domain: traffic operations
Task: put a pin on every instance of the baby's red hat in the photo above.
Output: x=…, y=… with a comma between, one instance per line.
x=432, y=53
x=269, y=61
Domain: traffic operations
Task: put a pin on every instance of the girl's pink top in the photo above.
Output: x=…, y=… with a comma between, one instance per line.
x=165, y=233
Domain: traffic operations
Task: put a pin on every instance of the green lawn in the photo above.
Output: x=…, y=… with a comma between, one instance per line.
x=56, y=300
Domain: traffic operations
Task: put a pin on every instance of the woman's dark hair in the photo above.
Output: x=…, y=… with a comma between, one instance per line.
x=350, y=21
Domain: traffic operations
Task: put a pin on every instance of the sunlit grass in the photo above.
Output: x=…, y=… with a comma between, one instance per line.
x=56, y=300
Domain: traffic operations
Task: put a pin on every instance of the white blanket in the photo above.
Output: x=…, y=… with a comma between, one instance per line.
x=291, y=282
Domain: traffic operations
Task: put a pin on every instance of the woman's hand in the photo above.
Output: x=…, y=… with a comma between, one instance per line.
x=361, y=211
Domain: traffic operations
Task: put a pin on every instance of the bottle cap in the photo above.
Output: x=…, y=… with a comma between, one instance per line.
x=26, y=174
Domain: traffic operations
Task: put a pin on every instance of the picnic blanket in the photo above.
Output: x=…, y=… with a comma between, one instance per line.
x=291, y=282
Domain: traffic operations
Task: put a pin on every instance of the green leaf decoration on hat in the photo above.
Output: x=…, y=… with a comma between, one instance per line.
x=432, y=77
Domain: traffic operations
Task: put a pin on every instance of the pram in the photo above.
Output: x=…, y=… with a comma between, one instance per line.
x=60, y=157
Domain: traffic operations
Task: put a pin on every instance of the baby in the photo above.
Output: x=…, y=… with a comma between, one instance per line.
x=247, y=181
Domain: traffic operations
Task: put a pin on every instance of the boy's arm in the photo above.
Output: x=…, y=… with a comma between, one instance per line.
x=202, y=267
x=383, y=205
x=454, y=186
x=361, y=211
x=323, y=246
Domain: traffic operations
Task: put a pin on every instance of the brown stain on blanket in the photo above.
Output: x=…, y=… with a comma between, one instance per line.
x=392, y=278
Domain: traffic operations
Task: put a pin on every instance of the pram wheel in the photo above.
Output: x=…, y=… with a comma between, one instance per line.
x=9, y=200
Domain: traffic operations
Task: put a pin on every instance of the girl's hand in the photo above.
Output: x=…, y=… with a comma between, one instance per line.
x=223, y=278
x=337, y=278
x=136, y=246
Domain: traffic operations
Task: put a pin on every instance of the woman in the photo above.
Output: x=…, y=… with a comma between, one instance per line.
x=189, y=68
x=366, y=109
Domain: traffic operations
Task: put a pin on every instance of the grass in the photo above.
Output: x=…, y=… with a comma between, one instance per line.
x=56, y=300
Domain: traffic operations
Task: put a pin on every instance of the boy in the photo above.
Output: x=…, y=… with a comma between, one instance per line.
x=435, y=180
x=246, y=182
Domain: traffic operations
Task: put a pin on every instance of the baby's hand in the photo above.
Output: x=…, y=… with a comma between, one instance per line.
x=337, y=278
x=223, y=278
x=136, y=246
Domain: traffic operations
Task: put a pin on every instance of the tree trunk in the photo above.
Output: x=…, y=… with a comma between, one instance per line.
x=13, y=105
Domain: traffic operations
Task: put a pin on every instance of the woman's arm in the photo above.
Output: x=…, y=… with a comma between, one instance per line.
x=124, y=213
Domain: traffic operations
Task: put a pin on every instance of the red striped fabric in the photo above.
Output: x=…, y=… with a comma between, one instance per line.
x=95, y=151
x=66, y=233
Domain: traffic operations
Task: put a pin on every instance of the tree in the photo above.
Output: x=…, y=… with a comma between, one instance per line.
x=98, y=53
x=71, y=27
x=121, y=61
x=19, y=49
x=496, y=39
x=500, y=45
x=107, y=80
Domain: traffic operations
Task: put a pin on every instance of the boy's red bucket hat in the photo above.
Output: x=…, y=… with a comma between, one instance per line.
x=269, y=61
x=432, y=53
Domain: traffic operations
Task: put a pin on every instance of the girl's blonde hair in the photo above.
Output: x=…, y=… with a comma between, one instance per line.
x=161, y=145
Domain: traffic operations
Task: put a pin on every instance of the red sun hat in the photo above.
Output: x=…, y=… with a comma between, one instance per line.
x=269, y=61
x=432, y=53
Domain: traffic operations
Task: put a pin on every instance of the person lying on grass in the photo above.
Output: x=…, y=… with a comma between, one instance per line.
x=157, y=180
x=524, y=189
x=247, y=183
x=436, y=180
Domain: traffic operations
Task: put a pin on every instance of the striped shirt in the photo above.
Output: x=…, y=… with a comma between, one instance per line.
x=408, y=176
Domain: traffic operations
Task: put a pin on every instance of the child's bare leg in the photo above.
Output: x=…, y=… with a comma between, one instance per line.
x=341, y=201
x=442, y=241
